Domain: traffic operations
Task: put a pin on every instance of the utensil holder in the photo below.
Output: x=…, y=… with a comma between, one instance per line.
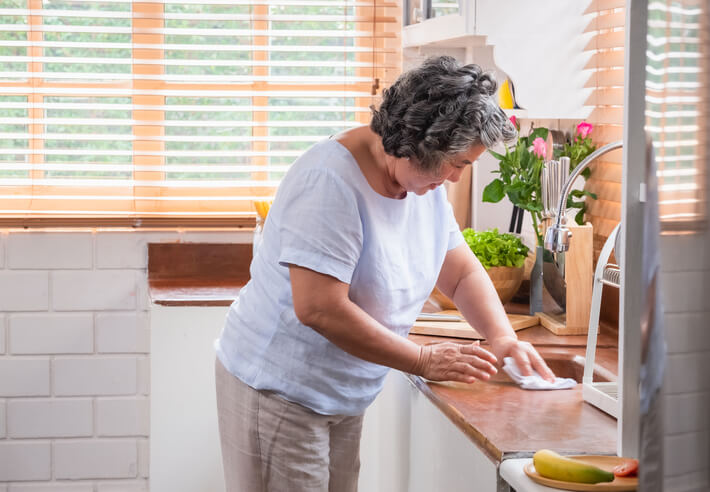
x=579, y=280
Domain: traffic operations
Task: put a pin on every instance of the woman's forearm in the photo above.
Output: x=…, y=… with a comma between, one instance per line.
x=322, y=303
x=349, y=327
x=476, y=298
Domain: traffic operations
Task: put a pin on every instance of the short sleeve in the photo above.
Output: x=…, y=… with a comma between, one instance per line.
x=320, y=226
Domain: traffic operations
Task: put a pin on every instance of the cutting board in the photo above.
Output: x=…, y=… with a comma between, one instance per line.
x=461, y=329
x=604, y=462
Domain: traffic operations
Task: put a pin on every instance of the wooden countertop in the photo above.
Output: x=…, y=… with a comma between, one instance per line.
x=506, y=421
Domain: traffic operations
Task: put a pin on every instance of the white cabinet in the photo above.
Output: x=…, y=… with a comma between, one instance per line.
x=409, y=445
x=185, y=453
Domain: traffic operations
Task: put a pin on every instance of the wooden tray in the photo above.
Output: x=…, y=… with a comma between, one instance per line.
x=461, y=329
x=604, y=462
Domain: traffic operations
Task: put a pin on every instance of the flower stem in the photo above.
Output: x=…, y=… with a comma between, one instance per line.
x=540, y=240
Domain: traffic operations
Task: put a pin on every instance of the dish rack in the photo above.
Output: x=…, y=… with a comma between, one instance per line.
x=603, y=395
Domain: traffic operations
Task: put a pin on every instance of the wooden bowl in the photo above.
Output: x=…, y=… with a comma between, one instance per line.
x=506, y=280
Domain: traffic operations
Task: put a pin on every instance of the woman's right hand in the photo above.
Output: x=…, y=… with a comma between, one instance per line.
x=450, y=361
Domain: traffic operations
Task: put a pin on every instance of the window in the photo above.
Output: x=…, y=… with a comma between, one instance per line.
x=176, y=112
x=677, y=96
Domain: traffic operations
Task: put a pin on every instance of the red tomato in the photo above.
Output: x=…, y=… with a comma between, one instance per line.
x=629, y=468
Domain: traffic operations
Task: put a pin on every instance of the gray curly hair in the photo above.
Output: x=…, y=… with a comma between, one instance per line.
x=440, y=109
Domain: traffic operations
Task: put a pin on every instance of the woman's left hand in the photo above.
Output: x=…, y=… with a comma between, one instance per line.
x=525, y=355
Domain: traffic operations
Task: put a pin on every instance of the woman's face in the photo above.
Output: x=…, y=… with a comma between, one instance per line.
x=411, y=178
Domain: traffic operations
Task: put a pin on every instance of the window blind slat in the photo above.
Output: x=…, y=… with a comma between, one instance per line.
x=597, y=6
x=105, y=14
x=614, y=19
x=605, y=78
x=249, y=48
x=606, y=40
x=273, y=33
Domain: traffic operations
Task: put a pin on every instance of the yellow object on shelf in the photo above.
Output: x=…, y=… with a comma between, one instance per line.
x=262, y=207
x=505, y=96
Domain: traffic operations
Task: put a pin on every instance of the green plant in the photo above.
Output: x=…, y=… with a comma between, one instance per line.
x=577, y=150
x=519, y=179
x=496, y=249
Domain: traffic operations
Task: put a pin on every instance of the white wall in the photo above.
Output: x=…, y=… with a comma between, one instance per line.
x=74, y=358
x=686, y=284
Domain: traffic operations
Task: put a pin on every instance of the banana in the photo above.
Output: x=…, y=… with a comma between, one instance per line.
x=551, y=465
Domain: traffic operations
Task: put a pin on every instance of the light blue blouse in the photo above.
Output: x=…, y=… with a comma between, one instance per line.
x=327, y=218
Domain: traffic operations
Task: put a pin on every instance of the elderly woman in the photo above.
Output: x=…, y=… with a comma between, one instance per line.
x=359, y=234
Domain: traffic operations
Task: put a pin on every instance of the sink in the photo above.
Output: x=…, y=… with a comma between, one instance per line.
x=567, y=365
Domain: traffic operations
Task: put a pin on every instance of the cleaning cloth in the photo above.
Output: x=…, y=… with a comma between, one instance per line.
x=534, y=382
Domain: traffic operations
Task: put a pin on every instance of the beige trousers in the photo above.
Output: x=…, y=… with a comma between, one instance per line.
x=272, y=445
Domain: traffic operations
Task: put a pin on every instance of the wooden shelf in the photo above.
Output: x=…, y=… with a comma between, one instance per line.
x=448, y=31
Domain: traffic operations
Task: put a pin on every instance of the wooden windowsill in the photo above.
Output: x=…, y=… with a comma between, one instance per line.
x=197, y=274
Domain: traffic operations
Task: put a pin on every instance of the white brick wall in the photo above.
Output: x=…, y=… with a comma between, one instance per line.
x=93, y=290
x=3, y=238
x=51, y=333
x=25, y=460
x=124, y=486
x=2, y=333
x=123, y=333
x=51, y=487
x=24, y=376
x=95, y=458
x=40, y=417
x=122, y=416
x=685, y=277
x=95, y=375
x=24, y=291
x=75, y=358
x=2, y=419
x=50, y=250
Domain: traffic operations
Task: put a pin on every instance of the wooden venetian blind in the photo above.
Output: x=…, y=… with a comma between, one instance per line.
x=677, y=97
x=606, y=64
x=118, y=111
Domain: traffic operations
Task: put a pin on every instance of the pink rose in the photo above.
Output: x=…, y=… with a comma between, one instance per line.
x=584, y=129
x=539, y=147
x=514, y=121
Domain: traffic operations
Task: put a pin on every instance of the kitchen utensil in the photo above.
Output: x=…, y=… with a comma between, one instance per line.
x=604, y=462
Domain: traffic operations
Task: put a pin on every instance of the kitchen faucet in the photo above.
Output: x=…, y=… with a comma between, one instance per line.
x=558, y=236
